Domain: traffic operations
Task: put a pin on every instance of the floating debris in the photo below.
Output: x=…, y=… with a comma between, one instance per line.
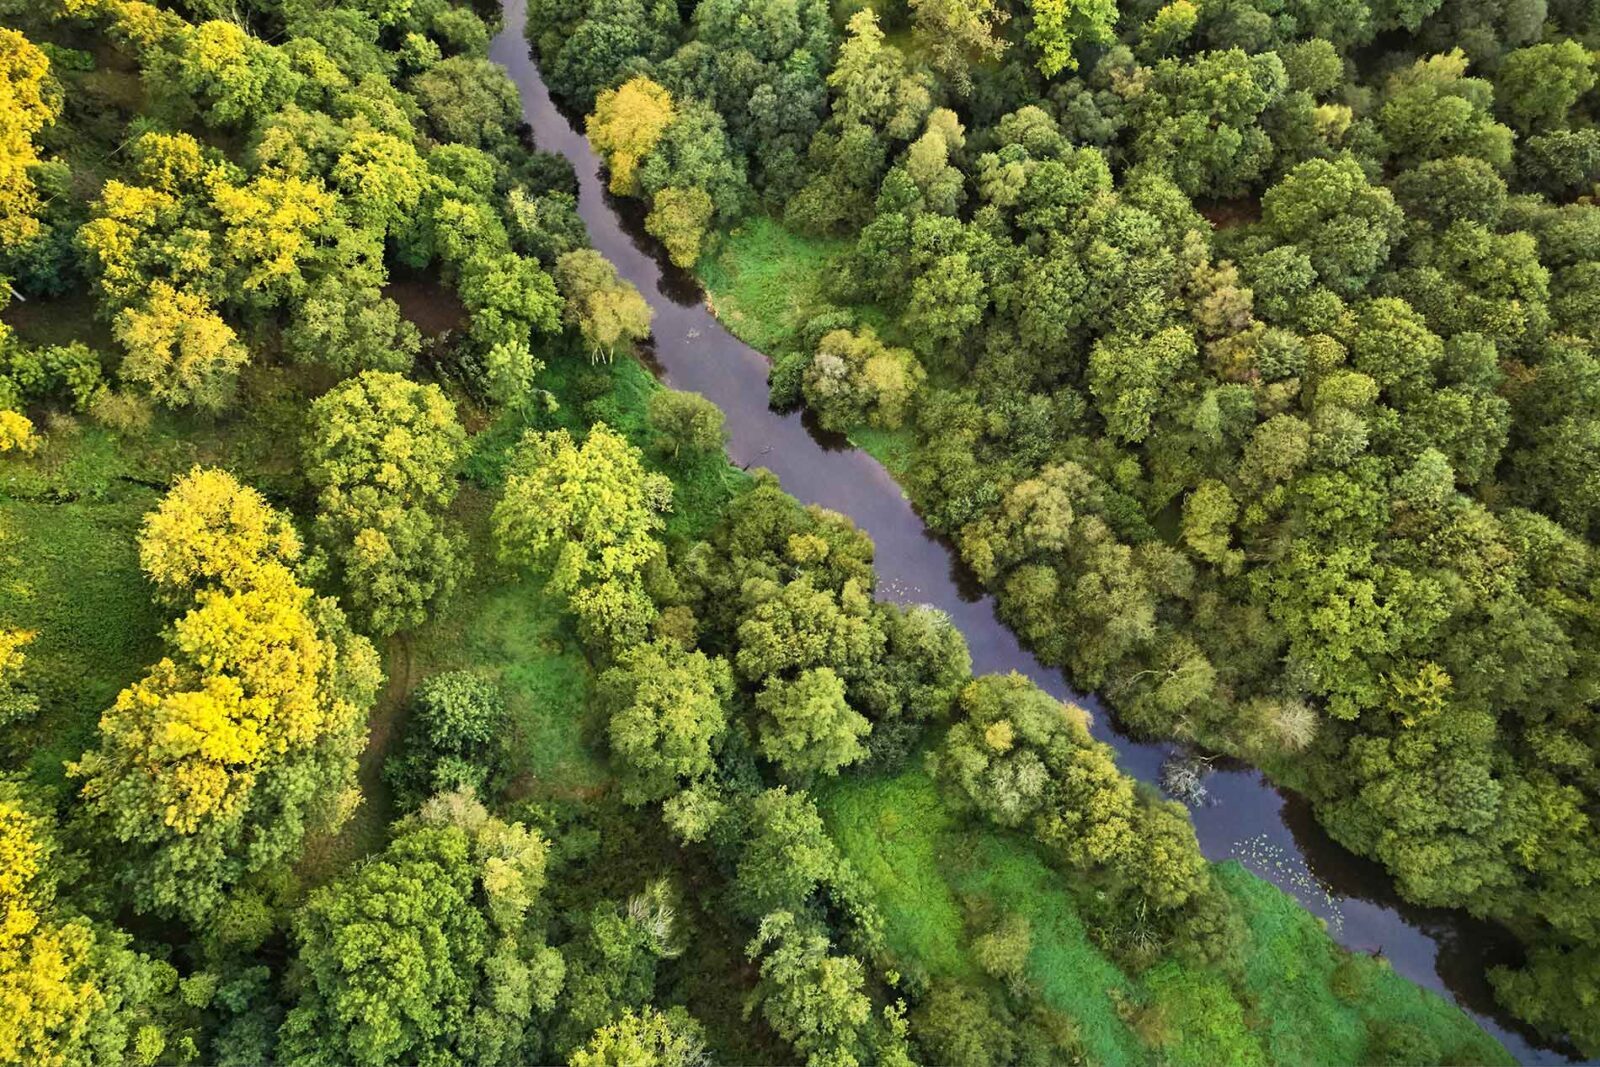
x=1183, y=778
x=1289, y=872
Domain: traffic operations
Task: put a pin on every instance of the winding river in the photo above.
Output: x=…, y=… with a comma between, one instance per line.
x=1244, y=817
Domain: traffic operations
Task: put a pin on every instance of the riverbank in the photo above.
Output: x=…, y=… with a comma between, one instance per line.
x=1250, y=819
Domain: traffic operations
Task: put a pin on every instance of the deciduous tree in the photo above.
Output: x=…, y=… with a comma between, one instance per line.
x=382, y=454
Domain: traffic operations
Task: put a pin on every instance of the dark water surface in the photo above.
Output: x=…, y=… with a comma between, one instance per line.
x=1271, y=830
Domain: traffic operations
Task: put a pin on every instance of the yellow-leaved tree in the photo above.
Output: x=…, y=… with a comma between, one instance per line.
x=179, y=348
x=71, y=991
x=28, y=103
x=244, y=737
x=626, y=124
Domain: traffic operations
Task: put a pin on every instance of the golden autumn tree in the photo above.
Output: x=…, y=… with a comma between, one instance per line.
x=211, y=531
x=71, y=990
x=180, y=349
x=28, y=103
x=16, y=703
x=626, y=124
x=244, y=737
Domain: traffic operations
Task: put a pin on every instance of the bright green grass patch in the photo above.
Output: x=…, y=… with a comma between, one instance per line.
x=1071, y=973
x=895, y=831
x=1294, y=996
x=895, y=449
x=920, y=860
x=765, y=281
x=1311, y=1001
x=69, y=572
x=1194, y=1020
x=521, y=634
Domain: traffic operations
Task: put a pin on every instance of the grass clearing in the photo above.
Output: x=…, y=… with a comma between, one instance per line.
x=69, y=572
x=921, y=860
x=765, y=281
x=1071, y=973
x=895, y=449
x=1310, y=1001
x=896, y=832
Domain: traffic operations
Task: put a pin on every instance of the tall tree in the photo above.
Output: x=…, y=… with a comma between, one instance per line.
x=588, y=515
x=424, y=953
x=383, y=454
x=243, y=738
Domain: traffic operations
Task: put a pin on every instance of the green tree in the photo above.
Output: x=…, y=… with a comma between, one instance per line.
x=957, y=33
x=351, y=329
x=667, y=711
x=613, y=959
x=796, y=626
x=680, y=218
x=382, y=454
x=588, y=515
x=812, y=999
x=787, y=856
x=685, y=423
x=1432, y=110
x=649, y=1038
x=608, y=313
x=237, y=78
x=1344, y=224
x=468, y=100
x=1133, y=378
x=424, y=952
x=1539, y=85
x=454, y=739
x=1200, y=120
x=1208, y=516
x=1059, y=25
x=805, y=726
x=855, y=378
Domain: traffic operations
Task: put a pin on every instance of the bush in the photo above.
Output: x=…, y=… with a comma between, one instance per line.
x=787, y=379
x=454, y=740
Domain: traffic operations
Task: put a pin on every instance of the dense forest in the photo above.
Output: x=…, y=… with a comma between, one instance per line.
x=1245, y=348
x=392, y=671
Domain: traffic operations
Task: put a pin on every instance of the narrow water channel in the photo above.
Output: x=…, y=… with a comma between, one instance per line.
x=1245, y=817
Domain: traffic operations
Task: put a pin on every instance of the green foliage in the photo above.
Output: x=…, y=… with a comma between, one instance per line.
x=588, y=514
x=383, y=454
x=609, y=313
x=806, y=727
x=811, y=998
x=855, y=378
x=1058, y=25
x=668, y=1038
x=455, y=739
x=686, y=423
x=425, y=950
x=611, y=967
x=667, y=712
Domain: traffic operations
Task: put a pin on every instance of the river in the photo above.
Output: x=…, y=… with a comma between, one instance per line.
x=1245, y=817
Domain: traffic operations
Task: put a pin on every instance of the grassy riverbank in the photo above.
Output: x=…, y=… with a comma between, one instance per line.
x=1291, y=996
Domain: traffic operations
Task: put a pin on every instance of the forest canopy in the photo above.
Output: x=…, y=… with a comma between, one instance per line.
x=393, y=671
